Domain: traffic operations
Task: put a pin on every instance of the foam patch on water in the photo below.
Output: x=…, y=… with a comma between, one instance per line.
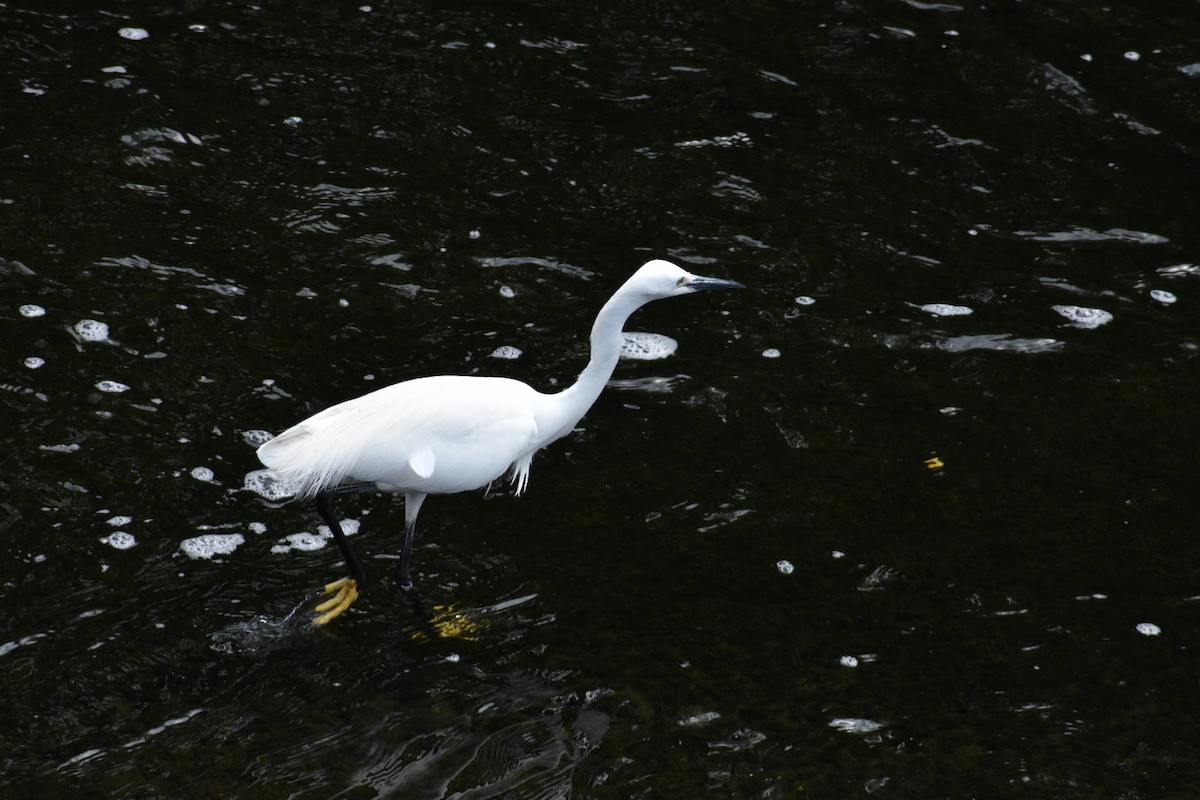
x=785, y=567
x=267, y=484
x=771, y=352
x=855, y=725
x=639, y=346
x=699, y=720
x=202, y=474
x=119, y=540
x=112, y=387
x=31, y=310
x=256, y=438
x=1163, y=296
x=211, y=544
x=349, y=527
x=34, y=362
x=90, y=330
x=134, y=34
x=946, y=310
x=1081, y=317
x=307, y=542
x=304, y=541
x=119, y=520
x=1148, y=629
x=507, y=351
x=804, y=300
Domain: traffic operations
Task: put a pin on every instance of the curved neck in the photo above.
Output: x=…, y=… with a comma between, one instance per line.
x=573, y=402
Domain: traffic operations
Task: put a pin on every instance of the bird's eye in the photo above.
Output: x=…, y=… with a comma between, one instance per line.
x=682, y=281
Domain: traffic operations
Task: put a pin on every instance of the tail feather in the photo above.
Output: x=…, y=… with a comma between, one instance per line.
x=300, y=460
x=520, y=472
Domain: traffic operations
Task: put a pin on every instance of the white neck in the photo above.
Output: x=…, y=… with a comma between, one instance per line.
x=572, y=403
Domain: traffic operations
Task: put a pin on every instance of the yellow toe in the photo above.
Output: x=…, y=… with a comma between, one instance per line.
x=345, y=592
x=330, y=588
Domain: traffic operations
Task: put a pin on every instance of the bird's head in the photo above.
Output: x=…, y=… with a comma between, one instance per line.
x=657, y=279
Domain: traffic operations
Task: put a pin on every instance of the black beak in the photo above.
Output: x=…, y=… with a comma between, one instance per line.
x=699, y=283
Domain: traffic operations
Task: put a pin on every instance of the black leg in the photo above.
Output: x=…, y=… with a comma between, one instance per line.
x=412, y=506
x=325, y=509
x=410, y=535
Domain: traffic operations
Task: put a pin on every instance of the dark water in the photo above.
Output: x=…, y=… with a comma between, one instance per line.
x=273, y=208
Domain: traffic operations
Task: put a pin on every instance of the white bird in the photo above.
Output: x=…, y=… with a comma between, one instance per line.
x=450, y=433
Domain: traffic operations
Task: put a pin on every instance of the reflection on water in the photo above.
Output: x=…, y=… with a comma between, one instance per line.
x=968, y=238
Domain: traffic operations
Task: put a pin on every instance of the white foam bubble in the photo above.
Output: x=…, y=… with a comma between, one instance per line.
x=946, y=310
x=507, y=292
x=267, y=484
x=202, y=474
x=1082, y=317
x=90, y=330
x=34, y=362
x=697, y=720
x=1163, y=296
x=1147, y=629
x=639, y=346
x=257, y=438
x=855, y=725
x=211, y=544
x=848, y=661
x=804, y=300
x=112, y=387
x=349, y=527
x=31, y=310
x=785, y=567
x=134, y=34
x=257, y=527
x=119, y=520
x=507, y=351
x=120, y=540
x=303, y=541
x=771, y=352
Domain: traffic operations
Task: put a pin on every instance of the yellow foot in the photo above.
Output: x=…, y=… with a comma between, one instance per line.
x=453, y=624
x=345, y=592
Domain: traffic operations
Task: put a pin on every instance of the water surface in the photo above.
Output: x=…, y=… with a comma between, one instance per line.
x=218, y=219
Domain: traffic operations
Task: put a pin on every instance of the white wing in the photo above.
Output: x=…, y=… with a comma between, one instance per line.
x=435, y=435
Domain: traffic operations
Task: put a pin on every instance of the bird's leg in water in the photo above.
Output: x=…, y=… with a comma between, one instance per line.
x=405, y=574
x=412, y=506
x=424, y=613
x=345, y=590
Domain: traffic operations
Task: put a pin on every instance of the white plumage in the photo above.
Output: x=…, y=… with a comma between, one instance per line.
x=437, y=435
x=453, y=433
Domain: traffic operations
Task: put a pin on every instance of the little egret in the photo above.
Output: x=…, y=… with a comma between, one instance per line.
x=450, y=433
